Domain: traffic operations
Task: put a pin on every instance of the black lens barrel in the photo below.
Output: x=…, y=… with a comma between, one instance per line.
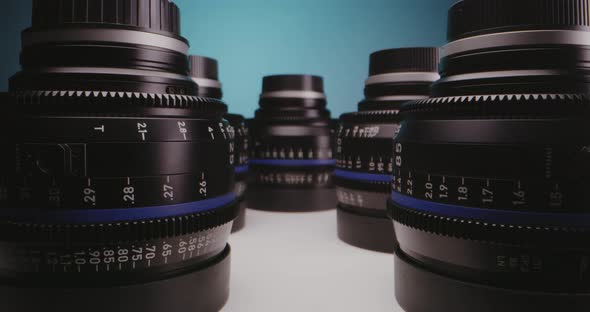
x=124, y=177
x=364, y=147
x=489, y=174
x=122, y=46
x=515, y=47
x=205, y=73
x=292, y=157
x=292, y=83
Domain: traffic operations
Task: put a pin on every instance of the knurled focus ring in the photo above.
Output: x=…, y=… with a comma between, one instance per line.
x=113, y=102
x=498, y=106
x=479, y=230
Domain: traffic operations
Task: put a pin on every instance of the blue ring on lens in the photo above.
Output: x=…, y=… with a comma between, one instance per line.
x=116, y=215
x=293, y=162
x=509, y=217
x=241, y=169
x=359, y=176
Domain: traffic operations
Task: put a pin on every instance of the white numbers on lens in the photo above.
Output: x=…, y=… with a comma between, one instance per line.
x=137, y=254
x=166, y=250
x=410, y=185
x=142, y=129
x=182, y=129
x=123, y=255
x=95, y=258
x=203, y=185
x=487, y=194
x=429, y=194
x=231, y=153
x=519, y=198
x=398, y=156
x=108, y=256
x=211, y=133
x=151, y=253
x=463, y=191
x=443, y=189
x=129, y=195
x=222, y=130
x=556, y=197
x=168, y=192
x=90, y=196
x=182, y=247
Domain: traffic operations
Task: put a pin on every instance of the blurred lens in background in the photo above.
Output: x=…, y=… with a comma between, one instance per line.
x=205, y=73
x=123, y=196
x=491, y=175
x=292, y=160
x=364, y=150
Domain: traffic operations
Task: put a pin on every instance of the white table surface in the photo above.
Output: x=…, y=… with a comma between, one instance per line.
x=285, y=262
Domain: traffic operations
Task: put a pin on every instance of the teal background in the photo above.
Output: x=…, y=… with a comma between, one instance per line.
x=254, y=38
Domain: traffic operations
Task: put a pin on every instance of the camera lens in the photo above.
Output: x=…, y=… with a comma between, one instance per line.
x=490, y=200
x=292, y=163
x=364, y=146
x=124, y=177
x=205, y=73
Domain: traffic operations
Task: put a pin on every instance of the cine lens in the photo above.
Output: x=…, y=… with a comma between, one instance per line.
x=123, y=191
x=364, y=146
x=490, y=198
x=205, y=73
x=292, y=159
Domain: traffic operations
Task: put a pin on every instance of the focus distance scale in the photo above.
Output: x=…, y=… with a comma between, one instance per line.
x=490, y=180
x=292, y=158
x=364, y=144
x=124, y=180
x=205, y=73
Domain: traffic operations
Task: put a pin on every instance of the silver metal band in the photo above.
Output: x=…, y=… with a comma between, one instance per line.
x=402, y=77
x=110, y=71
x=207, y=83
x=404, y=98
x=504, y=74
x=517, y=38
x=105, y=35
x=294, y=94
